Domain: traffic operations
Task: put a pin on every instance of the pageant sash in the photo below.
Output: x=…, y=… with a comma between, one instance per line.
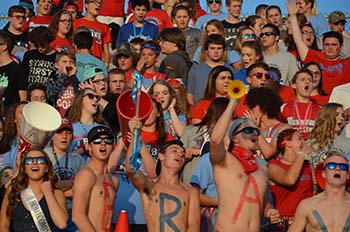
x=35, y=210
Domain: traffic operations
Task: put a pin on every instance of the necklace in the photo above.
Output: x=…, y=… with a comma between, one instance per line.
x=303, y=123
x=58, y=163
x=134, y=30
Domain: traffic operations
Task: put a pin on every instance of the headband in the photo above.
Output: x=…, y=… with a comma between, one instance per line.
x=152, y=47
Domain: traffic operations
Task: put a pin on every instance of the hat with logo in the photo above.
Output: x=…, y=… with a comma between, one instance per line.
x=336, y=16
x=66, y=124
x=125, y=49
x=97, y=131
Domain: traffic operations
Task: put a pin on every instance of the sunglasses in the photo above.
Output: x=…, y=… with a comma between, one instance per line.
x=248, y=36
x=248, y=130
x=216, y=1
x=259, y=75
x=269, y=33
x=38, y=160
x=340, y=22
x=107, y=140
x=91, y=96
x=333, y=165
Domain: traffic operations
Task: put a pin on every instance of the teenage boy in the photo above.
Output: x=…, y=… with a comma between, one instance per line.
x=139, y=27
x=335, y=71
x=336, y=22
x=13, y=82
x=39, y=63
x=99, y=31
x=94, y=188
x=214, y=48
x=158, y=17
x=273, y=56
x=329, y=210
x=301, y=114
x=62, y=85
x=42, y=17
x=169, y=205
x=241, y=203
x=147, y=64
x=82, y=44
x=215, y=13
x=17, y=20
x=233, y=22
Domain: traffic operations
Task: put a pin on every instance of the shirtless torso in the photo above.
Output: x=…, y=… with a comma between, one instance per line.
x=168, y=207
x=241, y=196
x=325, y=216
x=95, y=190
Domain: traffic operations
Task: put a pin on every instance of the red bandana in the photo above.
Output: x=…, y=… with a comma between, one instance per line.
x=246, y=158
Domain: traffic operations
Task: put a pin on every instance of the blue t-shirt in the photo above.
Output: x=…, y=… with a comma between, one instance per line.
x=169, y=128
x=202, y=21
x=128, y=31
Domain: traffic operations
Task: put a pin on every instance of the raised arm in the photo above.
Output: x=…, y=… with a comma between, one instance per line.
x=297, y=36
x=83, y=184
x=217, y=148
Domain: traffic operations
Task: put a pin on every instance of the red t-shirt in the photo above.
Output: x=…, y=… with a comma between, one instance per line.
x=60, y=43
x=286, y=93
x=99, y=31
x=288, y=198
x=200, y=109
x=113, y=8
x=37, y=21
x=321, y=100
x=306, y=120
x=334, y=73
x=157, y=16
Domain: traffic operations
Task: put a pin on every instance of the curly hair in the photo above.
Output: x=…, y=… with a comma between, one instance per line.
x=323, y=132
x=268, y=101
x=20, y=182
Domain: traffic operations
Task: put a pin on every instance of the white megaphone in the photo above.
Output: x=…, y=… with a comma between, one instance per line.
x=39, y=122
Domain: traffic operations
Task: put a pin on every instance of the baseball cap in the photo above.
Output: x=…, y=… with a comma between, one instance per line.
x=66, y=124
x=125, y=49
x=97, y=131
x=91, y=72
x=336, y=16
x=162, y=149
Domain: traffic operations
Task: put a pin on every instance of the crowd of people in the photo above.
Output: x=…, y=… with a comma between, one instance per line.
x=197, y=157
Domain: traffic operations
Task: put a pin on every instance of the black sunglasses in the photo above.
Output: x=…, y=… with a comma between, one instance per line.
x=248, y=130
x=216, y=1
x=333, y=165
x=91, y=96
x=259, y=75
x=30, y=160
x=107, y=140
x=269, y=33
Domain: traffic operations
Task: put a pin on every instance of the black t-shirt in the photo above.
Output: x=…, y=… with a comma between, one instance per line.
x=20, y=42
x=38, y=67
x=12, y=79
x=231, y=32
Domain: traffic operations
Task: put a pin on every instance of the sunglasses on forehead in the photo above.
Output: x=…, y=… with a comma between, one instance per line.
x=38, y=160
x=248, y=130
x=333, y=165
x=107, y=140
x=216, y=1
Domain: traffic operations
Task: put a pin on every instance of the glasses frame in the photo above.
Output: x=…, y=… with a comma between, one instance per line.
x=268, y=34
x=107, y=140
x=334, y=165
x=92, y=96
x=38, y=160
